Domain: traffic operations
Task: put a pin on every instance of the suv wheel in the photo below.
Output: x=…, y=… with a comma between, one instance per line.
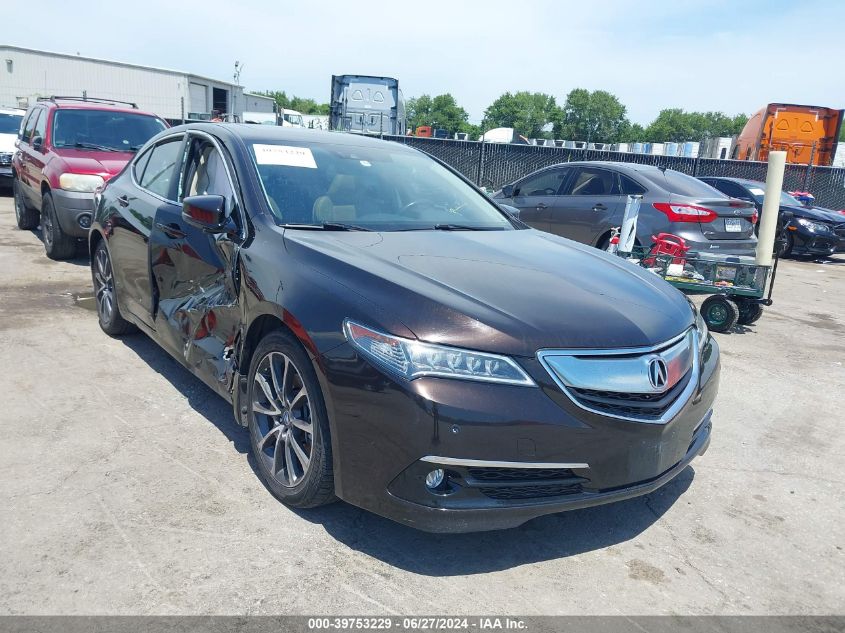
x=57, y=243
x=25, y=216
x=288, y=425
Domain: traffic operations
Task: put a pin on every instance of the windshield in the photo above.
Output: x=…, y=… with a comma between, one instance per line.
x=377, y=189
x=785, y=198
x=681, y=184
x=295, y=119
x=103, y=129
x=10, y=123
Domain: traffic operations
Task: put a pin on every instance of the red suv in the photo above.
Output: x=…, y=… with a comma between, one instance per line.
x=68, y=147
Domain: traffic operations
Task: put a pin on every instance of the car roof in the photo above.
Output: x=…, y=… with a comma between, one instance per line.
x=253, y=133
x=620, y=165
x=63, y=104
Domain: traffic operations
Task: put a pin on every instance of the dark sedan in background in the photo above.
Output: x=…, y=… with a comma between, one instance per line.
x=810, y=230
x=393, y=338
x=584, y=200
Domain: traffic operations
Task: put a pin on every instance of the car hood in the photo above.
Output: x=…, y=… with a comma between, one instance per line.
x=7, y=143
x=512, y=292
x=817, y=214
x=86, y=161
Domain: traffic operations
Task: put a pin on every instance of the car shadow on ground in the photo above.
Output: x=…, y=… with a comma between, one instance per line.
x=546, y=538
x=80, y=258
x=200, y=397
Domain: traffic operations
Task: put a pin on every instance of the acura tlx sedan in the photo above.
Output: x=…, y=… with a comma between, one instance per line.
x=392, y=337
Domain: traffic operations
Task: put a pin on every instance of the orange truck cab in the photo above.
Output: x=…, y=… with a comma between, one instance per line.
x=424, y=130
x=808, y=134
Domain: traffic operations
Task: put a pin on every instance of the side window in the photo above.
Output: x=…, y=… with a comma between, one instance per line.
x=140, y=163
x=25, y=123
x=730, y=189
x=30, y=125
x=547, y=183
x=590, y=181
x=161, y=167
x=41, y=126
x=630, y=187
x=205, y=173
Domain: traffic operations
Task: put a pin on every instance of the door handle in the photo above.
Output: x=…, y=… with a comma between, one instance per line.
x=541, y=206
x=172, y=230
x=599, y=207
x=123, y=201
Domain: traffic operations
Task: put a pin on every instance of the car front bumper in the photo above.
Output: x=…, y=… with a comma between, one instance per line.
x=510, y=453
x=813, y=244
x=71, y=207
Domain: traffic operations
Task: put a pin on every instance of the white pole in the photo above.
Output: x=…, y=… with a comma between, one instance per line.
x=771, y=208
x=628, y=231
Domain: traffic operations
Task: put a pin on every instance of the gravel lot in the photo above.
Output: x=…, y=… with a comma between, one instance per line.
x=126, y=488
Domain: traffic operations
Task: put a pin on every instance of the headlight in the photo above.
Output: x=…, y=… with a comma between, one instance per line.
x=412, y=359
x=81, y=183
x=814, y=227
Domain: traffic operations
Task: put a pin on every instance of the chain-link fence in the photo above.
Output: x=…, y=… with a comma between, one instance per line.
x=496, y=164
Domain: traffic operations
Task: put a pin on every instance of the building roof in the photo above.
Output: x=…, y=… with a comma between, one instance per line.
x=112, y=62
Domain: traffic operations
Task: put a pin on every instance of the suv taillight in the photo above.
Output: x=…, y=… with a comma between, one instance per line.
x=685, y=212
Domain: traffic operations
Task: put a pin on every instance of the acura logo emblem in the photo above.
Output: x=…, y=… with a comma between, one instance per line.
x=658, y=373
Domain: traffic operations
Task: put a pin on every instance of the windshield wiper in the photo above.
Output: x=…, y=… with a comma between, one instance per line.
x=327, y=226
x=95, y=146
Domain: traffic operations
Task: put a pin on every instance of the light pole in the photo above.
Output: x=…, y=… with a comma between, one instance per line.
x=237, y=77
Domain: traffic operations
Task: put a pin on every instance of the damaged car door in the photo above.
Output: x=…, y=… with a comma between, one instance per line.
x=197, y=313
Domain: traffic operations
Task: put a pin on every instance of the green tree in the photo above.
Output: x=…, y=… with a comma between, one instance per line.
x=441, y=111
x=675, y=124
x=591, y=116
x=631, y=133
x=300, y=104
x=527, y=112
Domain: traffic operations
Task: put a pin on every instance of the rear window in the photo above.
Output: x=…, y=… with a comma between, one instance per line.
x=10, y=123
x=681, y=184
x=104, y=130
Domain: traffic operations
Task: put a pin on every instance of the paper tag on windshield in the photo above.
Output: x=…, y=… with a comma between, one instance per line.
x=756, y=191
x=287, y=155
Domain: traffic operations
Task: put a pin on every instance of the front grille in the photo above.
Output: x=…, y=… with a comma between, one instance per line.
x=523, y=483
x=519, y=474
x=531, y=492
x=5, y=159
x=639, y=405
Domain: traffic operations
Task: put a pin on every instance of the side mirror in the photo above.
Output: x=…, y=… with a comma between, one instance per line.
x=205, y=212
x=512, y=211
x=37, y=143
x=507, y=191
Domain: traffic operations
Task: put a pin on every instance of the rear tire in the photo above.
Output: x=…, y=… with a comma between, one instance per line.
x=288, y=423
x=719, y=313
x=108, y=312
x=749, y=312
x=25, y=216
x=58, y=244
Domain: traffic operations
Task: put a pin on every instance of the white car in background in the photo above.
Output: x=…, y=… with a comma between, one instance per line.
x=291, y=118
x=10, y=125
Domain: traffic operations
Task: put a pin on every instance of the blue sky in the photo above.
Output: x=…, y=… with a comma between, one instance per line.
x=732, y=56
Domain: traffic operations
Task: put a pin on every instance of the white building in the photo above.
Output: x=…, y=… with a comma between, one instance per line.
x=26, y=74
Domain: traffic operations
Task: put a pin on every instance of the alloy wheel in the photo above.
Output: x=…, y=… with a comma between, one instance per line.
x=282, y=412
x=47, y=226
x=104, y=285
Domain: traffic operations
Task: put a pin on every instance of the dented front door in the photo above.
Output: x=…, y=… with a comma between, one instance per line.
x=197, y=314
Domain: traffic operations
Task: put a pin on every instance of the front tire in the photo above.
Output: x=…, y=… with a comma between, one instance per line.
x=26, y=217
x=719, y=313
x=288, y=424
x=784, y=246
x=108, y=312
x=58, y=244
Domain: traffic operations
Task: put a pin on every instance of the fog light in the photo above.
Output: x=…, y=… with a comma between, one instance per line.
x=434, y=478
x=84, y=220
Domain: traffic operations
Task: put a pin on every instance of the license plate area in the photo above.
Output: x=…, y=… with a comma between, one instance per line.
x=733, y=225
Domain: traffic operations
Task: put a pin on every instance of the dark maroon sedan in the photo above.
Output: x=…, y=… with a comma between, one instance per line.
x=392, y=337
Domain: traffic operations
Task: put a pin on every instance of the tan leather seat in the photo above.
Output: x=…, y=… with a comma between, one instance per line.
x=338, y=205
